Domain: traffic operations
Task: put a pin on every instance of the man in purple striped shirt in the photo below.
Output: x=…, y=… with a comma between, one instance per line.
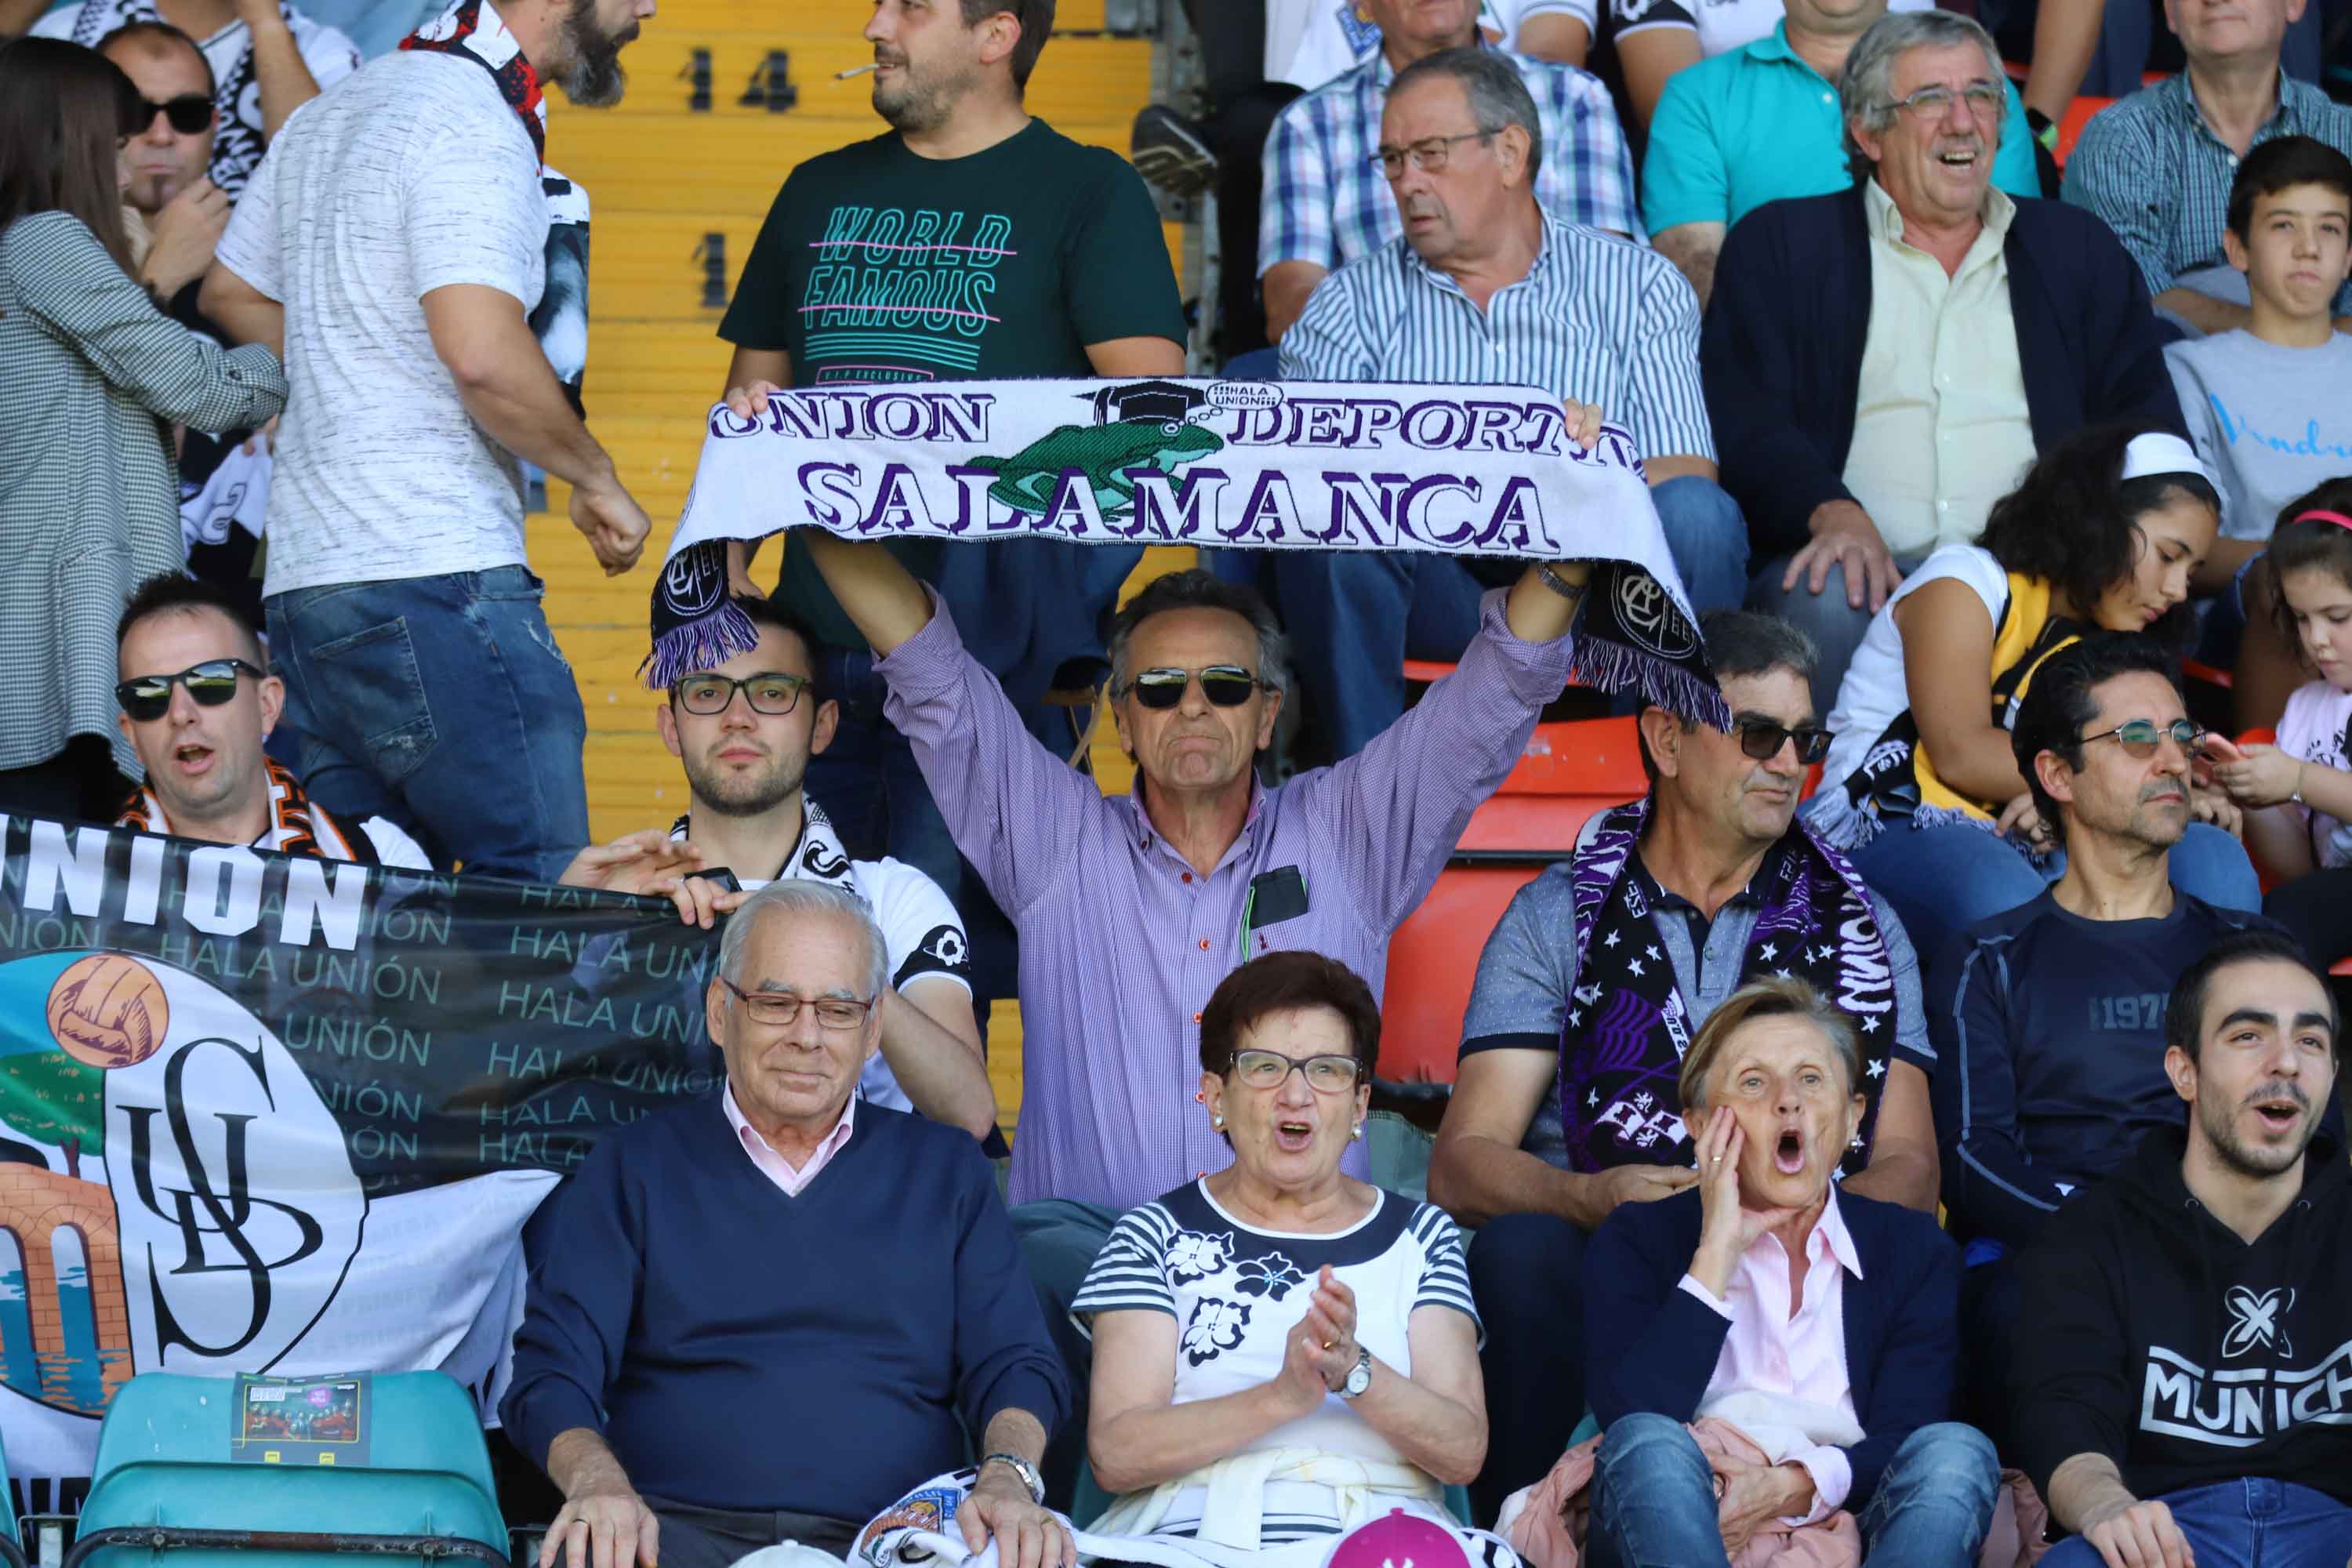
x=1131, y=909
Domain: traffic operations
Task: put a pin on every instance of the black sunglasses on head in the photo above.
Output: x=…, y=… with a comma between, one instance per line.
x=147, y=697
x=189, y=113
x=1225, y=685
x=1762, y=739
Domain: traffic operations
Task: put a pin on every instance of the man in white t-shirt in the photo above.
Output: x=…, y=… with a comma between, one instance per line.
x=268, y=59
x=393, y=245
x=744, y=730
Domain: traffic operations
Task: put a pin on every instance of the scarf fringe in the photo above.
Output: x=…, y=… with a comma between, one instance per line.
x=1838, y=822
x=1615, y=667
x=705, y=642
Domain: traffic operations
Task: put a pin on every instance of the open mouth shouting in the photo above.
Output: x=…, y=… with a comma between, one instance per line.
x=194, y=759
x=2279, y=1112
x=1788, y=1151
x=1294, y=1134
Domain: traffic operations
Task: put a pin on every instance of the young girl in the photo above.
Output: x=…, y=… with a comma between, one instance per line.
x=1921, y=788
x=2298, y=793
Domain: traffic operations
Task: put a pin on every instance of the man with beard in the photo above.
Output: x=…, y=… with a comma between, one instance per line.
x=2186, y=1396
x=2048, y=1021
x=1001, y=248
x=393, y=245
x=745, y=731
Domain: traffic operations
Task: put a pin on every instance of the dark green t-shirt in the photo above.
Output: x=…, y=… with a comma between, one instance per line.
x=877, y=265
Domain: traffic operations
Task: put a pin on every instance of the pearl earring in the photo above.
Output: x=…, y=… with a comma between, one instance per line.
x=1358, y=1135
x=1217, y=1123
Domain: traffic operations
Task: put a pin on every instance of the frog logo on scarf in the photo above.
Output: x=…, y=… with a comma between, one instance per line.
x=1142, y=424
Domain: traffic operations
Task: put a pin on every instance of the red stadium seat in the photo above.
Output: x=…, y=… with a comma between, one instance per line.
x=2070, y=129
x=1569, y=771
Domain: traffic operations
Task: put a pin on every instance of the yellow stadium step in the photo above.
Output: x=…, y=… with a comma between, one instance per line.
x=1077, y=79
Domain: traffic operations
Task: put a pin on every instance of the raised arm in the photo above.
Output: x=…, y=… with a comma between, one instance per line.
x=881, y=597
x=278, y=68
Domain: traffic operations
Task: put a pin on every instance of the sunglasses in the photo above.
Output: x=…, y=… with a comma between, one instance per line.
x=1225, y=685
x=2140, y=737
x=189, y=113
x=1762, y=741
x=147, y=697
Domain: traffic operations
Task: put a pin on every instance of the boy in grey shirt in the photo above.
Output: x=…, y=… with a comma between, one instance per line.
x=2267, y=403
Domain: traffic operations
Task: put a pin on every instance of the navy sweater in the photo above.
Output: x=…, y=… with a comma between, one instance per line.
x=1780, y=350
x=740, y=1349
x=1650, y=1346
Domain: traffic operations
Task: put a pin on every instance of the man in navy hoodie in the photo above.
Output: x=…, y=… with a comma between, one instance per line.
x=2185, y=1400
x=764, y=1315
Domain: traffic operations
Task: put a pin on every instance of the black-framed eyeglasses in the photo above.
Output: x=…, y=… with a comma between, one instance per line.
x=771, y=693
x=1324, y=1074
x=1762, y=739
x=1986, y=101
x=838, y=1013
x=189, y=113
x=2140, y=737
x=1430, y=154
x=147, y=697
x=1225, y=685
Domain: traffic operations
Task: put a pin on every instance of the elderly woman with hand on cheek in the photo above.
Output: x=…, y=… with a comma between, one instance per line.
x=1817, y=1330
x=1283, y=1352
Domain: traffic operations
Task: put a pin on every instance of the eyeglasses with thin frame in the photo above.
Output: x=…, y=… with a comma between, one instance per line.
x=1761, y=740
x=769, y=692
x=2140, y=737
x=1986, y=101
x=147, y=697
x=1225, y=685
x=1324, y=1074
x=1430, y=154
x=189, y=113
x=838, y=1013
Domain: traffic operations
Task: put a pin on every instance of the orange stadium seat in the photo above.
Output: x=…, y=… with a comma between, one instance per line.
x=2070, y=129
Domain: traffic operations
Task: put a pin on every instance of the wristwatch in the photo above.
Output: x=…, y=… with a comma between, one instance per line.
x=1558, y=584
x=1019, y=1466
x=1360, y=1376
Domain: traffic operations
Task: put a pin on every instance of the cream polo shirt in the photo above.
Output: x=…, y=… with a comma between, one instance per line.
x=1941, y=429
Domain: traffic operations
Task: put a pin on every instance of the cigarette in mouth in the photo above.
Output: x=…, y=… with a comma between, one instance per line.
x=853, y=70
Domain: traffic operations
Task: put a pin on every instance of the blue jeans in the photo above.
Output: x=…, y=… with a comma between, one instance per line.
x=1835, y=626
x=443, y=704
x=2252, y=1523
x=1945, y=879
x=1354, y=616
x=868, y=784
x=1653, y=1503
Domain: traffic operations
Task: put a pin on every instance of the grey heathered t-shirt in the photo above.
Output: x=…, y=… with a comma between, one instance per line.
x=1520, y=1000
x=2271, y=422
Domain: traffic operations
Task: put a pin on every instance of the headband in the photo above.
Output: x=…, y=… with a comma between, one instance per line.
x=2160, y=452
x=2337, y=518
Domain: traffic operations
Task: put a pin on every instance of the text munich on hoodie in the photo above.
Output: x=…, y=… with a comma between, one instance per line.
x=2155, y=1336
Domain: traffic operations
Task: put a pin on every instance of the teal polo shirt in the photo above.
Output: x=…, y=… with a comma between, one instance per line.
x=1755, y=124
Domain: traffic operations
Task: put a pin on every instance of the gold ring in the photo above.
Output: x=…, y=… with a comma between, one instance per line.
x=1326, y=1344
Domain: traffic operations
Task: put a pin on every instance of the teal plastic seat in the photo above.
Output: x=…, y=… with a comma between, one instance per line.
x=165, y=1466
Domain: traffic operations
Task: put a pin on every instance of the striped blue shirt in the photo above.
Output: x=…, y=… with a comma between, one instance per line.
x=1597, y=318
x=2156, y=173
x=1327, y=202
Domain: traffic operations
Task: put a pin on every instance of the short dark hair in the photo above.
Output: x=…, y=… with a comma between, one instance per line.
x=2073, y=520
x=765, y=612
x=1745, y=642
x=2184, y=1012
x=2059, y=702
x=170, y=593
x=1036, y=19
x=1198, y=588
x=2280, y=163
x=1280, y=981
x=1499, y=95
x=162, y=32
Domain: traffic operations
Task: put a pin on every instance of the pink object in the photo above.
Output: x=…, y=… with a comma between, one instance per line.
x=1398, y=1539
x=2337, y=518
x=774, y=1166
x=1802, y=1355
x=1549, y=1526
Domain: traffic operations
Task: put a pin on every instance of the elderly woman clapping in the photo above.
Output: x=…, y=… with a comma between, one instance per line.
x=1817, y=1330
x=1281, y=1351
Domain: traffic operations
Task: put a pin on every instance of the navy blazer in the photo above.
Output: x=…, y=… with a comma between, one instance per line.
x=1651, y=1346
x=1780, y=348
